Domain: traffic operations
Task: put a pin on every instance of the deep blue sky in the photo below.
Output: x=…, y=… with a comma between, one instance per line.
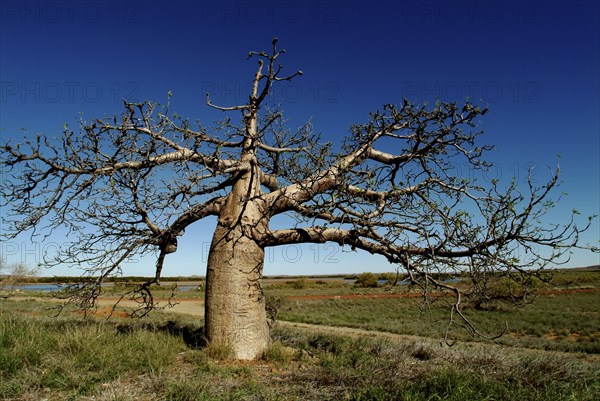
x=535, y=64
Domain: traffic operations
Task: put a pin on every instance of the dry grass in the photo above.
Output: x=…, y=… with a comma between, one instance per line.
x=163, y=359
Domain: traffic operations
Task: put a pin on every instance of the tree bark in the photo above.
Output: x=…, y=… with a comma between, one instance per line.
x=235, y=306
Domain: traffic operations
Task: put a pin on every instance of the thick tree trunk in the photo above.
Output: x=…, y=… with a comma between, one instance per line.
x=235, y=308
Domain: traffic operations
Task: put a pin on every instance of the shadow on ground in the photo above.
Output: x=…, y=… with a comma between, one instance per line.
x=193, y=336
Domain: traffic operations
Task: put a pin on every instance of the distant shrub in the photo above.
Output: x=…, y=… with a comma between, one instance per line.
x=366, y=280
x=273, y=305
x=298, y=284
x=390, y=278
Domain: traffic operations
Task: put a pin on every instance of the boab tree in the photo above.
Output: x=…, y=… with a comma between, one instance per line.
x=131, y=184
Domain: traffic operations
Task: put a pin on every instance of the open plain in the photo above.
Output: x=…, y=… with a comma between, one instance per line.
x=331, y=341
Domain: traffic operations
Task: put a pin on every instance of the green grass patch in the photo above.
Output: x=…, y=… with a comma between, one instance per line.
x=74, y=357
x=566, y=322
x=164, y=357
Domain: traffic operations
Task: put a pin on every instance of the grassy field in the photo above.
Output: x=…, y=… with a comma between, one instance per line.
x=163, y=357
x=568, y=322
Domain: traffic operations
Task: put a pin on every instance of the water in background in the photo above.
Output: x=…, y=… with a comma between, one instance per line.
x=38, y=287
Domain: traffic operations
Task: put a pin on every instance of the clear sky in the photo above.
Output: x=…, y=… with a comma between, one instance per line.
x=535, y=64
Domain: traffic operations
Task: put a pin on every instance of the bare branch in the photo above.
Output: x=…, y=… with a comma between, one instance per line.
x=132, y=183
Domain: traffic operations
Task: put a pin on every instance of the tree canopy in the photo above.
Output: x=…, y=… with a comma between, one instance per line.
x=130, y=184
